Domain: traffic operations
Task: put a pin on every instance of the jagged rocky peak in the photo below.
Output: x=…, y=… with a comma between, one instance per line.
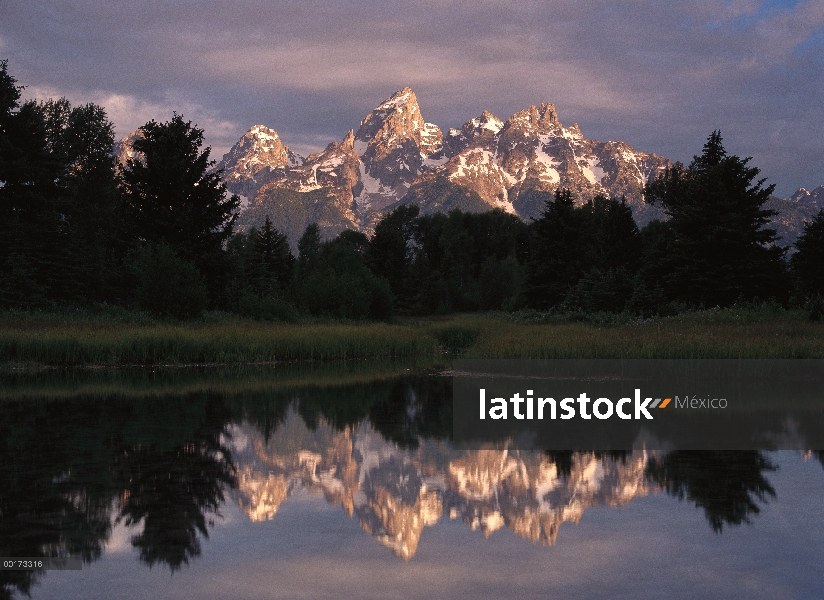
x=815, y=196
x=395, y=143
x=801, y=194
x=543, y=118
x=258, y=149
x=485, y=125
x=349, y=140
x=254, y=160
x=394, y=149
x=395, y=123
x=573, y=132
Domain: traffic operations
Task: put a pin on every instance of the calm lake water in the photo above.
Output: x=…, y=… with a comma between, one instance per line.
x=341, y=481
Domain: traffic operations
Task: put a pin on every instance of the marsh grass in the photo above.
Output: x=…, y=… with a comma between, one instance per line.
x=118, y=339
x=105, y=341
x=232, y=380
x=739, y=332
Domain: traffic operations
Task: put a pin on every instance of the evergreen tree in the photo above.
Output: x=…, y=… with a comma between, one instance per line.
x=169, y=285
x=270, y=260
x=555, y=263
x=92, y=213
x=335, y=282
x=722, y=250
x=596, y=245
x=655, y=269
x=612, y=234
x=308, y=248
x=467, y=261
x=174, y=199
x=32, y=231
x=60, y=220
x=390, y=251
x=808, y=261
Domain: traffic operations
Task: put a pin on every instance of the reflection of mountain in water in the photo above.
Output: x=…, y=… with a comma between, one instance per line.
x=396, y=492
x=74, y=466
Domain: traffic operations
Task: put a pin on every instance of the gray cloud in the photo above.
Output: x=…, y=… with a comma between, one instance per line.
x=657, y=75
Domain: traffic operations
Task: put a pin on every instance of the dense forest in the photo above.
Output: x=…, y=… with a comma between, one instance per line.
x=157, y=233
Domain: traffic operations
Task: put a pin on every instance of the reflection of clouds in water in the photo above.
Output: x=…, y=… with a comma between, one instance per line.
x=654, y=547
x=234, y=438
x=120, y=539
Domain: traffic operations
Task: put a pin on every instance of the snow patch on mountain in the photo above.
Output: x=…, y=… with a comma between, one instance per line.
x=547, y=161
x=394, y=149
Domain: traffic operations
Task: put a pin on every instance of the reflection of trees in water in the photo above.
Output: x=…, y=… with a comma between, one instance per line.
x=53, y=499
x=564, y=459
x=63, y=462
x=172, y=492
x=414, y=408
x=728, y=485
x=174, y=485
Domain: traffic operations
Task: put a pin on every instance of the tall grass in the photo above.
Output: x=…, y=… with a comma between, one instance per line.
x=105, y=341
x=750, y=332
x=114, y=340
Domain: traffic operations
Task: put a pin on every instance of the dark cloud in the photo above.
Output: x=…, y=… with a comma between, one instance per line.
x=658, y=75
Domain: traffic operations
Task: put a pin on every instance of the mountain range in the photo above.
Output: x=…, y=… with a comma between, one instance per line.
x=396, y=157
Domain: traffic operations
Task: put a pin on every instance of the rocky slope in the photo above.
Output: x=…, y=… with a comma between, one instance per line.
x=257, y=157
x=814, y=198
x=394, y=149
x=396, y=156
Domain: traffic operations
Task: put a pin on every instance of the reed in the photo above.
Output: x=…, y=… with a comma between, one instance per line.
x=28, y=339
x=107, y=342
x=732, y=333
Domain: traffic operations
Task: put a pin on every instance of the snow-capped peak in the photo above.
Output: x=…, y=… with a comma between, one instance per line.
x=262, y=132
x=399, y=99
x=487, y=121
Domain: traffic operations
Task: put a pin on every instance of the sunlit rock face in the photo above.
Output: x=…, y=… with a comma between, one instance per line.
x=525, y=492
x=256, y=158
x=123, y=149
x=260, y=497
x=532, y=150
x=395, y=493
x=814, y=197
x=394, y=149
x=395, y=144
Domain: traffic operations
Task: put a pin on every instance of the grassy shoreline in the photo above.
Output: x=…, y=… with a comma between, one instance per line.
x=32, y=340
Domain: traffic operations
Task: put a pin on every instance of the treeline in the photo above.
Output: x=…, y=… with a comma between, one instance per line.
x=158, y=233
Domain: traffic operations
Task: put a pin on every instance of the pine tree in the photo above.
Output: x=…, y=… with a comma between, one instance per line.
x=390, y=253
x=556, y=260
x=613, y=234
x=808, y=262
x=722, y=250
x=270, y=260
x=174, y=199
x=31, y=224
x=308, y=249
x=91, y=207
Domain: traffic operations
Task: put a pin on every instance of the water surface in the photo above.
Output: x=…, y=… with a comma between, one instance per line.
x=341, y=481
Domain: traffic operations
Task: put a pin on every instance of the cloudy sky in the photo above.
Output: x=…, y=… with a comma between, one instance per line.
x=657, y=74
